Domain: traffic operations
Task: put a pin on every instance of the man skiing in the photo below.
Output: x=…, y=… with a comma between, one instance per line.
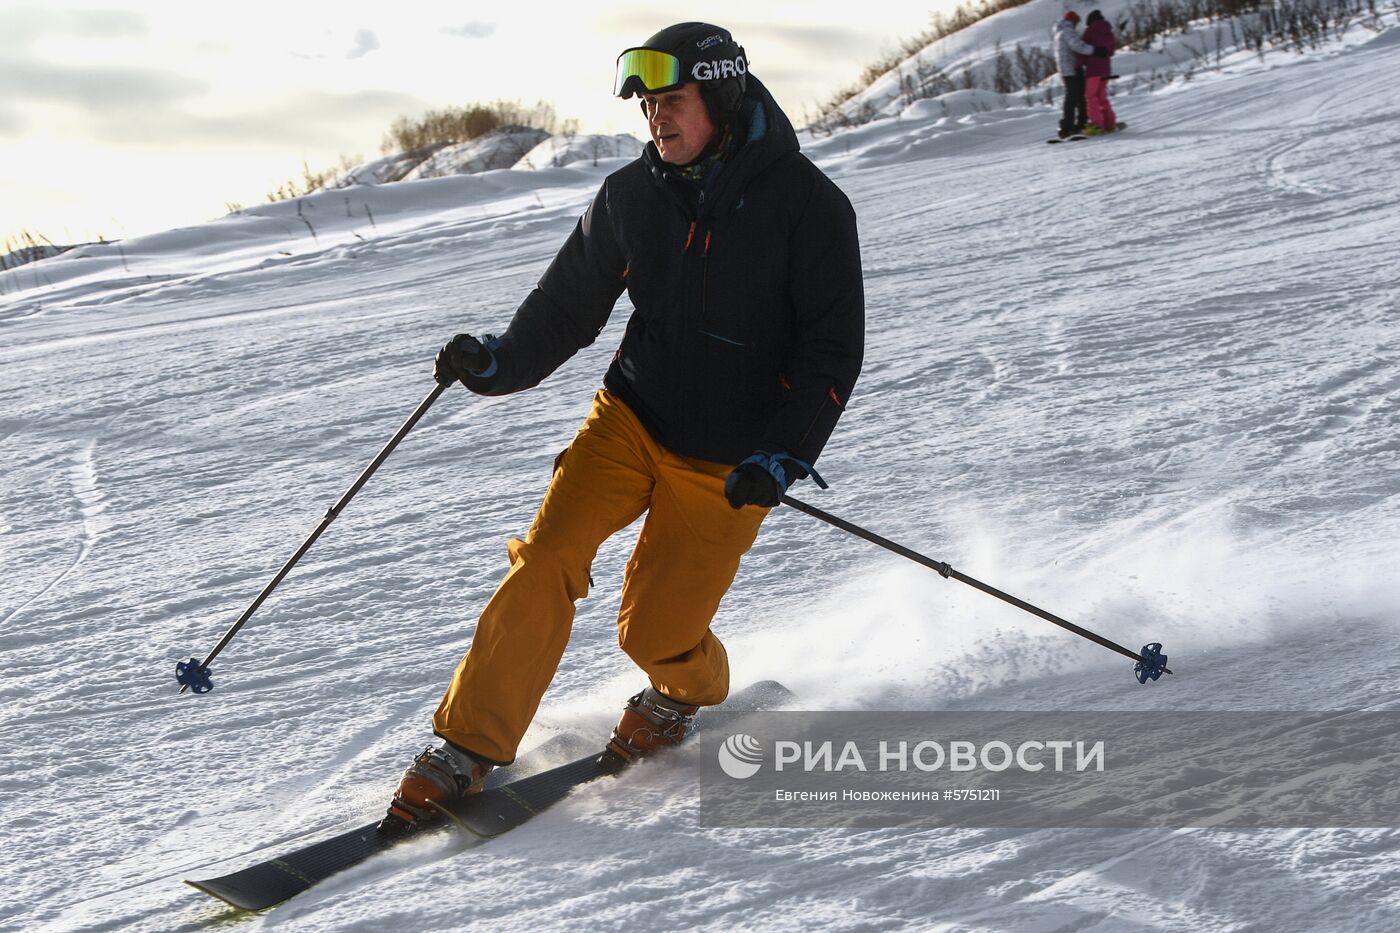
x=742, y=263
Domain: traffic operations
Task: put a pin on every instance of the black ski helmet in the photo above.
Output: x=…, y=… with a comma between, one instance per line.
x=708, y=55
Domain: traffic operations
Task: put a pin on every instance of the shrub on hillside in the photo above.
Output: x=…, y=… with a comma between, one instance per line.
x=26, y=247
x=411, y=143
x=454, y=125
x=501, y=148
x=311, y=181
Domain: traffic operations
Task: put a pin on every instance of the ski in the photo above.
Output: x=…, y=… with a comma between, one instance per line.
x=512, y=797
x=270, y=882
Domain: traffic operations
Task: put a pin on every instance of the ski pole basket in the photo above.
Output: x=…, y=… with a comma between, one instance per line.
x=193, y=675
x=1151, y=663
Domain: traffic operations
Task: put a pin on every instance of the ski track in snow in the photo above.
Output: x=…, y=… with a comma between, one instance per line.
x=1151, y=382
x=82, y=476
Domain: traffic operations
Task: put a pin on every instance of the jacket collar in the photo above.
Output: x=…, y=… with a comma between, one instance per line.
x=767, y=135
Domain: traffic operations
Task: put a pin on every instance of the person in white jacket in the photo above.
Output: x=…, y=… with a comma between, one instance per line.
x=1067, y=47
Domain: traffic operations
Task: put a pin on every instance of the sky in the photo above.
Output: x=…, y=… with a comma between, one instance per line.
x=119, y=119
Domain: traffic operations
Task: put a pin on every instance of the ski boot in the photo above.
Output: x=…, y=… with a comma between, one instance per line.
x=651, y=721
x=437, y=778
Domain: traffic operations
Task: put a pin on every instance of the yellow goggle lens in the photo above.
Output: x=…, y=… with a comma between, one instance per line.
x=655, y=70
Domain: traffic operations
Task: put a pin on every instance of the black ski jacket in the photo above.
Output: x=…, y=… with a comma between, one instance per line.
x=749, y=320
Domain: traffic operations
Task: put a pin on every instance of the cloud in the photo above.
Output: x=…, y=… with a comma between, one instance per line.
x=761, y=35
x=810, y=42
x=365, y=42
x=100, y=91
x=473, y=30
x=103, y=24
x=293, y=121
x=24, y=26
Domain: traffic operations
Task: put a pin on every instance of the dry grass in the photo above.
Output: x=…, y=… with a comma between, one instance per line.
x=434, y=129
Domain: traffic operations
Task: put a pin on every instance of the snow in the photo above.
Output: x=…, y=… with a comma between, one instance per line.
x=516, y=148
x=560, y=150
x=389, y=168
x=1150, y=382
x=499, y=149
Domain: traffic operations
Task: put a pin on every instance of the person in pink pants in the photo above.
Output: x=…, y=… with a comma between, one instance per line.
x=1097, y=67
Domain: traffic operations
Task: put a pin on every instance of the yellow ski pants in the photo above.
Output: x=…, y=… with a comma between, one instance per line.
x=684, y=561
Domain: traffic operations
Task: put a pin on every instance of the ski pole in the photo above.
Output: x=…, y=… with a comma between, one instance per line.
x=194, y=674
x=1151, y=663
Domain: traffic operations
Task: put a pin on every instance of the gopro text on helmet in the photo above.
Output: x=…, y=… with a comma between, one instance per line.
x=716, y=70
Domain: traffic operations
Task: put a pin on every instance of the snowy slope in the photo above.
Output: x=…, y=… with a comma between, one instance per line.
x=1206, y=44
x=1151, y=382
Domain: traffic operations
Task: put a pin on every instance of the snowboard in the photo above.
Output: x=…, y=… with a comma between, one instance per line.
x=508, y=801
x=1117, y=128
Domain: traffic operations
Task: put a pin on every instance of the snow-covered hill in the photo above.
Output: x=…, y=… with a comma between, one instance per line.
x=1149, y=381
x=1206, y=38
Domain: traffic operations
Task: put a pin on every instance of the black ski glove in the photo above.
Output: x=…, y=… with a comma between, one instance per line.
x=1100, y=52
x=762, y=480
x=751, y=484
x=463, y=356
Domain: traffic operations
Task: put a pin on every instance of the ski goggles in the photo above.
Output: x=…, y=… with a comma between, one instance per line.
x=653, y=70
